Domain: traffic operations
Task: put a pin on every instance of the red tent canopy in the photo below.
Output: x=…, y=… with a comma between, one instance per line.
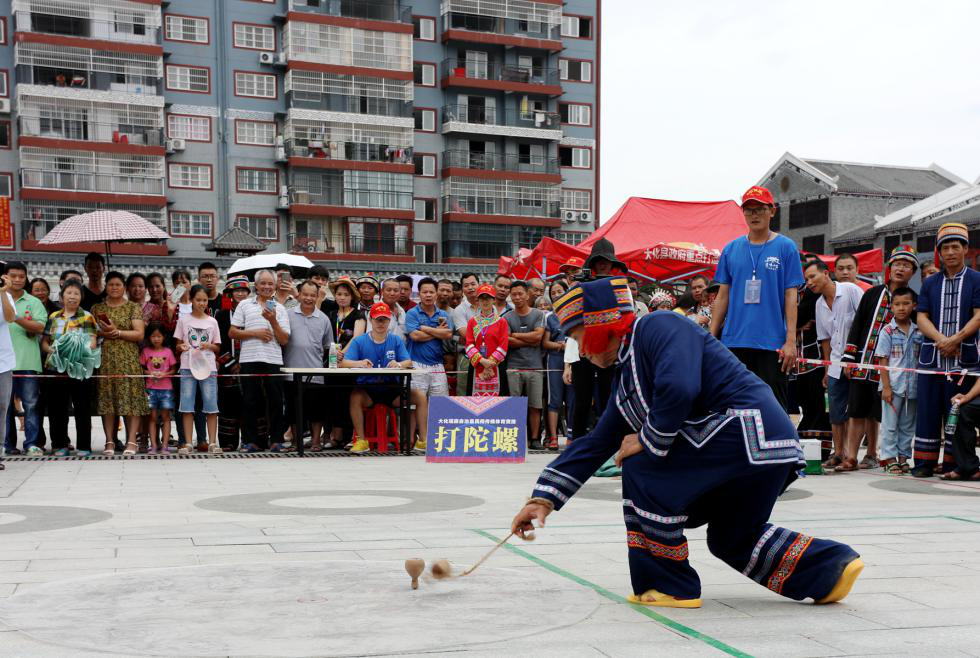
x=869, y=262
x=542, y=261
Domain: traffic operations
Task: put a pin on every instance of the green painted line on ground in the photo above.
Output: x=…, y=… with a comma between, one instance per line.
x=960, y=518
x=612, y=596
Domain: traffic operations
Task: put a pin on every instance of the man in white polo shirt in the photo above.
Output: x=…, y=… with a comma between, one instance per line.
x=262, y=325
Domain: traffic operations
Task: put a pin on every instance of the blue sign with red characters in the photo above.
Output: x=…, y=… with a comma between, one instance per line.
x=477, y=429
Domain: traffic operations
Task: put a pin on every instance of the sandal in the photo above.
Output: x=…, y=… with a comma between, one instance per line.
x=832, y=461
x=846, y=465
x=130, y=451
x=215, y=449
x=894, y=469
x=951, y=476
x=868, y=462
x=184, y=449
x=906, y=469
x=109, y=449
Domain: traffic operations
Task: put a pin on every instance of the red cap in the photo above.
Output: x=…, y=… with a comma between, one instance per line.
x=760, y=194
x=486, y=289
x=380, y=310
x=572, y=263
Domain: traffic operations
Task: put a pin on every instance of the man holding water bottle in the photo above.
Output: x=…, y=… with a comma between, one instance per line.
x=262, y=325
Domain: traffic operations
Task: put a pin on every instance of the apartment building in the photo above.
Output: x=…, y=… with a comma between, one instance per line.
x=450, y=131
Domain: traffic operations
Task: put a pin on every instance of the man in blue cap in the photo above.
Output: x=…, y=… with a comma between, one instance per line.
x=706, y=442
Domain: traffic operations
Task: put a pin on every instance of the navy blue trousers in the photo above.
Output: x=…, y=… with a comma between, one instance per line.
x=935, y=396
x=716, y=485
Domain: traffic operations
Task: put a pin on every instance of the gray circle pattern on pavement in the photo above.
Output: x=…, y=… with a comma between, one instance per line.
x=904, y=485
x=49, y=517
x=322, y=608
x=264, y=503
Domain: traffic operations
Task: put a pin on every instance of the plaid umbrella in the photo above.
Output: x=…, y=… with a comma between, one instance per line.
x=104, y=226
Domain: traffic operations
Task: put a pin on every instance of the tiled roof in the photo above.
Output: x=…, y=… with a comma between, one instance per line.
x=236, y=239
x=882, y=180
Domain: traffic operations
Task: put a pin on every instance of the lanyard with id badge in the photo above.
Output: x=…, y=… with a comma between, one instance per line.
x=753, y=287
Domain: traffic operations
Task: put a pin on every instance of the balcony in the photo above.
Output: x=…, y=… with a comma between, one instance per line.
x=110, y=136
x=76, y=181
x=352, y=245
x=500, y=210
x=482, y=120
x=347, y=155
x=130, y=22
x=370, y=10
x=333, y=201
x=348, y=50
x=473, y=74
x=501, y=165
x=480, y=28
x=311, y=100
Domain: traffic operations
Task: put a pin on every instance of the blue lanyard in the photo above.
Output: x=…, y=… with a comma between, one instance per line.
x=755, y=261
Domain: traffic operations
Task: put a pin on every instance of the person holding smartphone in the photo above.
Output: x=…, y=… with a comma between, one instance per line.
x=262, y=325
x=7, y=358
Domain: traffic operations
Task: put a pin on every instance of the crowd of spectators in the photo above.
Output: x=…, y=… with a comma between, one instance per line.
x=210, y=357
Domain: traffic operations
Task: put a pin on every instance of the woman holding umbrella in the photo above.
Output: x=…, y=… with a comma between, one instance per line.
x=121, y=329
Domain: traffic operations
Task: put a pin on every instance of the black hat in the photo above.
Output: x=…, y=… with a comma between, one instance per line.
x=605, y=250
x=714, y=285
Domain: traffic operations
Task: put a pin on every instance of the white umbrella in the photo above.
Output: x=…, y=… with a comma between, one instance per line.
x=298, y=264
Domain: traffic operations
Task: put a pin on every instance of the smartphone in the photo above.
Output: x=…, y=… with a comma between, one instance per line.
x=271, y=305
x=103, y=318
x=177, y=294
x=287, y=277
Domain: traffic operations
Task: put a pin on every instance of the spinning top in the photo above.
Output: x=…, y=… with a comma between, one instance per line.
x=442, y=569
x=415, y=567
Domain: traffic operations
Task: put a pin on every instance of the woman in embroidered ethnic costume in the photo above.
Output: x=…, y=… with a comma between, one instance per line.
x=486, y=343
x=705, y=442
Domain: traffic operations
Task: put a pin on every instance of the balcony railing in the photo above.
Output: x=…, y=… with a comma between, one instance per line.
x=375, y=10
x=90, y=182
x=82, y=79
x=357, y=151
x=495, y=116
x=311, y=100
x=476, y=70
x=528, y=164
x=350, y=198
x=503, y=26
x=483, y=205
x=353, y=244
x=89, y=131
x=125, y=28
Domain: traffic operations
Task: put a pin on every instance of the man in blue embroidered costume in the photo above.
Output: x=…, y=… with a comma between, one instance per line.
x=706, y=442
x=948, y=317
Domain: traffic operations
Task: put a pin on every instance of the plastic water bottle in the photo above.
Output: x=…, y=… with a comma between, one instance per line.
x=953, y=419
x=332, y=359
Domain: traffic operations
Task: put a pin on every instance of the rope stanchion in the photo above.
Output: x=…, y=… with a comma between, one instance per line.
x=849, y=365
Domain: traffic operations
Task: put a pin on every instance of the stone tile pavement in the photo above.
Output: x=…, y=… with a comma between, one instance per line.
x=918, y=596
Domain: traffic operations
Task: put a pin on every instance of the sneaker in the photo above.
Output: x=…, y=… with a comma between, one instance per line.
x=83, y=453
x=62, y=452
x=34, y=451
x=13, y=452
x=420, y=445
x=360, y=445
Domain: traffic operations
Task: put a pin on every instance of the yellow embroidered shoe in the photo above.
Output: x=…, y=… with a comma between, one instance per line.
x=654, y=598
x=845, y=582
x=420, y=445
x=360, y=446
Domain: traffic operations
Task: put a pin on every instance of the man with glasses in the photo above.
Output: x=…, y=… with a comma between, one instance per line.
x=207, y=276
x=759, y=274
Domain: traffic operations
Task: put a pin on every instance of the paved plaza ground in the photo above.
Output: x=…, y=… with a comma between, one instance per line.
x=288, y=556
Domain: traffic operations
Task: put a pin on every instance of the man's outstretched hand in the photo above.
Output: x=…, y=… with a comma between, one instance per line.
x=522, y=523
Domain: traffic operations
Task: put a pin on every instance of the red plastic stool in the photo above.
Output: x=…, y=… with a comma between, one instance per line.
x=380, y=426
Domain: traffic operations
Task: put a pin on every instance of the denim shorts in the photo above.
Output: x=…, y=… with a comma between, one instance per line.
x=188, y=392
x=161, y=398
x=837, y=392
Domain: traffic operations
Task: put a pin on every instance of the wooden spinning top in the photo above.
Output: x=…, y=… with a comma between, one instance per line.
x=442, y=569
x=415, y=567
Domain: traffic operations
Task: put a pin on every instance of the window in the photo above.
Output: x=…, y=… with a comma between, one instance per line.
x=255, y=133
x=255, y=37
x=196, y=79
x=425, y=165
x=7, y=185
x=3, y=30
x=815, y=212
x=572, y=199
x=574, y=70
x=575, y=114
x=4, y=80
x=577, y=27
x=425, y=120
x=191, y=224
x=5, y=136
x=186, y=28
x=425, y=74
x=262, y=227
x=775, y=221
x=924, y=244
x=256, y=181
x=425, y=28
x=425, y=252
x=191, y=176
x=577, y=157
x=813, y=244
x=255, y=85
x=191, y=128
x=425, y=210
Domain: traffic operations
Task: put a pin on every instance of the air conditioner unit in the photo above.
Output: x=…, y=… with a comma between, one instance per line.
x=4, y=106
x=570, y=215
x=280, y=153
x=283, y=201
x=585, y=217
x=267, y=58
x=176, y=145
x=283, y=190
x=280, y=140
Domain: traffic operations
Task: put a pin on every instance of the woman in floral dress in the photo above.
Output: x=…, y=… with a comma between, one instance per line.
x=121, y=329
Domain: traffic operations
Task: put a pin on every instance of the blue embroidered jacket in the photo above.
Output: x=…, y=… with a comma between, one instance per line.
x=675, y=380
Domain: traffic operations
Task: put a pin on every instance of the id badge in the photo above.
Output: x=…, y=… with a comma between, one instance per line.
x=753, y=291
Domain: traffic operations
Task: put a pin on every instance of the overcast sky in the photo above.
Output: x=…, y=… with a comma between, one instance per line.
x=700, y=98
